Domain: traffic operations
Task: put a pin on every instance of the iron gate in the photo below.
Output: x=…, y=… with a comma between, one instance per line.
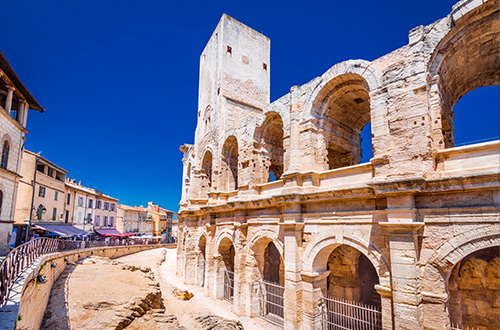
x=228, y=285
x=271, y=302
x=339, y=314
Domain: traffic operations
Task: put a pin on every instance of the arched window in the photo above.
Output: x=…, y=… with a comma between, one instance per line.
x=5, y=155
x=343, y=108
x=206, y=173
x=467, y=58
x=230, y=164
x=1, y=201
x=270, y=136
x=473, y=282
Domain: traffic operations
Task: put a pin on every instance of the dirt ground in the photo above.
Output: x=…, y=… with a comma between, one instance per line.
x=99, y=294
x=199, y=305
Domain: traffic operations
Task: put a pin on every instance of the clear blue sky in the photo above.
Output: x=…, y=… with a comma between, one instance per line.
x=119, y=79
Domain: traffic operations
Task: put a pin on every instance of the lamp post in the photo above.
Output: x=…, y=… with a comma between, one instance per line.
x=32, y=197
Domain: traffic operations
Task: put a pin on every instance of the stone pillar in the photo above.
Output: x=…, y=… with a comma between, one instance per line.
x=25, y=113
x=402, y=230
x=295, y=111
x=8, y=100
x=191, y=266
x=292, y=227
x=313, y=286
x=386, y=304
x=217, y=274
x=239, y=239
x=210, y=263
x=435, y=311
x=251, y=285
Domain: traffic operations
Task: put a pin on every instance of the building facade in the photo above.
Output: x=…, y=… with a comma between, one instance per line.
x=279, y=215
x=162, y=219
x=81, y=205
x=47, y=181
x=133, y=219
x=15, y=101
x=105, y=212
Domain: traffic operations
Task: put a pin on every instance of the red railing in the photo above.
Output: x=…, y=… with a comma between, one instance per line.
x=24, y=255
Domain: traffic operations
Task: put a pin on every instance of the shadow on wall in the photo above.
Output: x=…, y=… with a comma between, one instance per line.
x=59, y=303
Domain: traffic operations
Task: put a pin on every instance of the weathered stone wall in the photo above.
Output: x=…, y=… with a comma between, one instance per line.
x=28, y=298
x=414, y=211
x=13, y=132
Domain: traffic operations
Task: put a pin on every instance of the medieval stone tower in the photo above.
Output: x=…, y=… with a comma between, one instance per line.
x=234, y=88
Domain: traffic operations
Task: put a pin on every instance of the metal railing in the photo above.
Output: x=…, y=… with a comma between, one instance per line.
x=271, y=302
x=228, y=285
x=339, y=314
x=24, y=255
x=461, y=327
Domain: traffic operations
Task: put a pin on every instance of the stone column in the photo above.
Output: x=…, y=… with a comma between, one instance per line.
x=217, y=274
x=239, y=239
x=210, y=263
x=191, y=266
x=295, y=111
x=402, y=230
x=8, y=100
x=313, y=286
x=25, y=113
x=386, y=304
x=292, y=227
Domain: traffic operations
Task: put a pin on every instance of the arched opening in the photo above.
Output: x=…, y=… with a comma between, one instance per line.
x=272, y=150
x=1, y=202
x=230, y=164
x=273, y=269
x=352, y=276
x=201, y=261
x=268, y=298
x=466, y=59
x=5, y=154
x=473, y=288
x=348, y=292
x=343, y=110
x=226, y=269
x=206, y=173
x=471, y=129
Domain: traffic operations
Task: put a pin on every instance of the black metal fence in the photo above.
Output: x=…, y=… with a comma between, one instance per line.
x=24, y=255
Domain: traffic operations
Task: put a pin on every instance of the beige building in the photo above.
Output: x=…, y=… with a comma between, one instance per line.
x=81, y=205
x=279, y=216
x=89, y=209
x=105, y=213
x=133, y=219
x=15, y=101
x=162, y=219
x=47, y=180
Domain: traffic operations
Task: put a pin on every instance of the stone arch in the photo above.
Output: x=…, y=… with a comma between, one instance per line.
x=229, y=164
x=466, y=57
x=270, y=147
x=438, y=270
x=340, y=107
x=264, y=246
x=321, y=246
x=264, y=236
x=225, y=233
x=207, y=172
x=360, y=68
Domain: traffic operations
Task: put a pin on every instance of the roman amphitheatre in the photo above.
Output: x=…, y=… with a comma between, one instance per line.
x=280, y=217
